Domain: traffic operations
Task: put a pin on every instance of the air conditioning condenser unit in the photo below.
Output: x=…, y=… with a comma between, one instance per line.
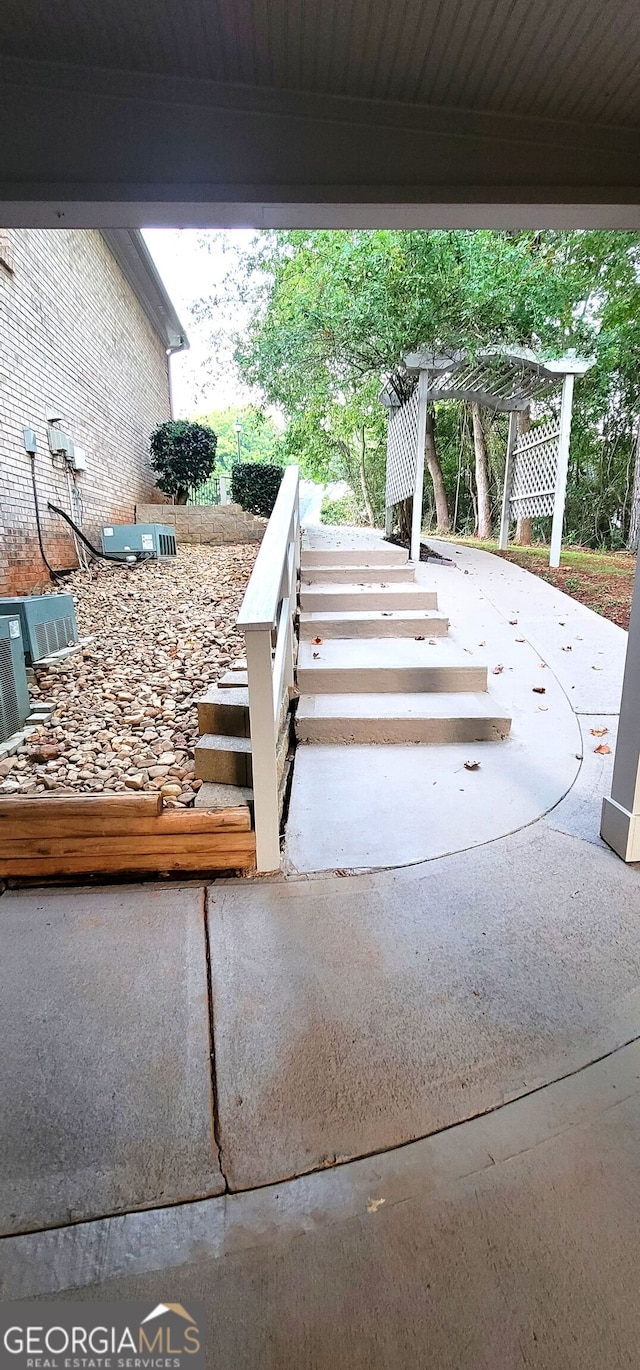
x=156, y=539
x=48, y=623
x=14, y=691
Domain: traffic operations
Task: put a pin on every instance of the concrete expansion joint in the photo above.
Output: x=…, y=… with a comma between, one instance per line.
x=212, y=1044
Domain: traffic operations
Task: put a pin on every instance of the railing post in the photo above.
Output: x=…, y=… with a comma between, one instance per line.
x=224, y=496
x=263, y=749
x=561, y=474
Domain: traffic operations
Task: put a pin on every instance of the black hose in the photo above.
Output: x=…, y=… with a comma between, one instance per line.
x=124, y=557
x=56, y=576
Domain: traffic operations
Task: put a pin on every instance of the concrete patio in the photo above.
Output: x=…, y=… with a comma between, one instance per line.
x=380, y=1119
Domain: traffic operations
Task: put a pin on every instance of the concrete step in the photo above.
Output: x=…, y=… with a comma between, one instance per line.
x=213, y=796
x=357, y=575
x=224, y=711
x=340, y=597
x=402, y=718
x=363, y=556
x=373, y=623
x=224, y=760
x=385, y=666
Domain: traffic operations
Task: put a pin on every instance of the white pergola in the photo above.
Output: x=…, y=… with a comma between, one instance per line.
x=506, y=380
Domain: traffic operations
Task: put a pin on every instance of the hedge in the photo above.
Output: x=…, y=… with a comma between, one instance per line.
x=255, y=485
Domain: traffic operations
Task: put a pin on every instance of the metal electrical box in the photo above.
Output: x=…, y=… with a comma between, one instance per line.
x=48, y=622
x=156, y=539
x=14, y=691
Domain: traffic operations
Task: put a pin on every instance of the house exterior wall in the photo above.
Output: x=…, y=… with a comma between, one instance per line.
x=74, y=341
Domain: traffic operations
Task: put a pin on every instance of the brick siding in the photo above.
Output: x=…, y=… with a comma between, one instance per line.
x=214, y=524
x=74, y=340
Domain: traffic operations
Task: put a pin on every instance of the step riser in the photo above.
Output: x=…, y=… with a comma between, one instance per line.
x=382, y=627
x=316, y=601
x=357, y=575
x=223, y=768
x=224, y=719
x=402, y=730
x=384, y=556
x=385, y=680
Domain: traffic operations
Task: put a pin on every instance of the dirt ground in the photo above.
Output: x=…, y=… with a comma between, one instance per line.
x=124, y=708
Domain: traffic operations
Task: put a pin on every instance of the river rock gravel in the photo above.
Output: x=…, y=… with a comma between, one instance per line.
x=124, y=708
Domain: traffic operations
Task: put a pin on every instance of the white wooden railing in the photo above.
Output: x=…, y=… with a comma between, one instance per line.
x=267, y=621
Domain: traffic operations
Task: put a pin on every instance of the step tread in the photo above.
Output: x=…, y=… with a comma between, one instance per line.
x=391, y=654
x=369, y=615
x=400, y=706
x=216, y=742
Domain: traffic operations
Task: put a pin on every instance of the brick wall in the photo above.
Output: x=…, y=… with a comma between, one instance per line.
x=210, y=523
x=74, y=339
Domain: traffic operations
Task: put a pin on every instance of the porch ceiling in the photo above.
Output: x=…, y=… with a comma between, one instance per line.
x=273, y=112
x=555, y=59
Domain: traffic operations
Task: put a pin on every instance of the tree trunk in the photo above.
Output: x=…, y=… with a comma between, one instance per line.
x=524, y=526
x=443, y=520
x=363, y=480
x=634, y=524
x=483, y=523
x=405, y=510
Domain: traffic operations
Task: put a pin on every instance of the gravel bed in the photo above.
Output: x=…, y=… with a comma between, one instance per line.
x=124, y=715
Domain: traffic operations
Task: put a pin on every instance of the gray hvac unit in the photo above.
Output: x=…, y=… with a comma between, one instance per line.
x=155, y=539
x=14, y=692
x=48, y=623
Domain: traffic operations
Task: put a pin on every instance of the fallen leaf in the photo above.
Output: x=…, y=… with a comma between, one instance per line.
x=374, y=1204
x=539, y=690
x=512, y=622
x=472, y=765
x=519, y=639
x=497, y=670
x=340, y=871
x=566, y=649
x=317, y=641
x=432, y=642
x=468, y=651
x=599, y=732
x=316, y=655
x=602, y=750
x=482, y=644
x=561, y=623
x=596, y=668
x=420, y=637
x=387, y=613
x=543, y=708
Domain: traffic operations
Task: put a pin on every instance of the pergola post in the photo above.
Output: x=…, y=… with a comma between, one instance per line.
x=562, y=469
x=416, y=515
x=508, y=480
x=620, y=823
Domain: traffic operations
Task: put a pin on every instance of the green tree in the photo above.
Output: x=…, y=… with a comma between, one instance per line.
x=334, y=313
x=183, y=454
x=260, y=439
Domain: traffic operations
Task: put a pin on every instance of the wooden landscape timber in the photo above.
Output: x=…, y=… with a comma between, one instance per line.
x=68, y=835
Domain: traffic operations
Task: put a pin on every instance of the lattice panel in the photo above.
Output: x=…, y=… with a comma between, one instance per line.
x=535, y=466
x=402, y=444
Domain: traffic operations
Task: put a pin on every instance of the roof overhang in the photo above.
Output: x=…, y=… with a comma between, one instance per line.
x=136, y=263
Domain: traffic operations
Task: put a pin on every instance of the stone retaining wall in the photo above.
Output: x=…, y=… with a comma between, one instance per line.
x=210, y=523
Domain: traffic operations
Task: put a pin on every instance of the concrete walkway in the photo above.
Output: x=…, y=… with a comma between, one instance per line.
x=471, y=1024
x=366, y=806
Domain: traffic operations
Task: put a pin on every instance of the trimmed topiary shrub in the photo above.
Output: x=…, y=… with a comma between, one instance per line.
x=255, y=485
x=183, y=455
